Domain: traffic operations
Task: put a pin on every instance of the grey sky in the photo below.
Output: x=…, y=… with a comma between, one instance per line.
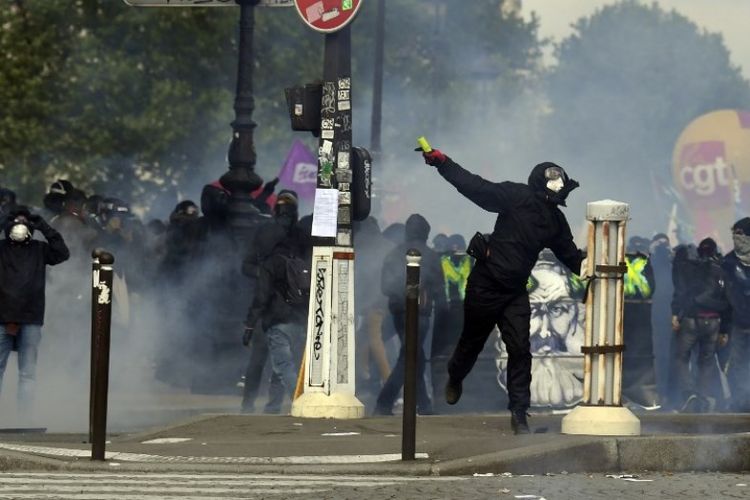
x=728, y=17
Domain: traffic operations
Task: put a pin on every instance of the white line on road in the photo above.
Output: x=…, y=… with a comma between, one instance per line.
x=149, y=480
x=245, y=489
x=86, y=496
x=223, y=477
x=143, y=457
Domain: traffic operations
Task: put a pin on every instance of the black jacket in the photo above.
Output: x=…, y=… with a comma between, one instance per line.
x=737, y=282
x=265, y=262
x=698, y=288
x=393, y=275
x=23, y=276
x=527, y=223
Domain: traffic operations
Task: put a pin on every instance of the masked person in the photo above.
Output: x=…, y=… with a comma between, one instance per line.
x=529, y=220
x=282, y=274
x=23, y=262
x=736, y=268
x=393, y=281
x=698, y=306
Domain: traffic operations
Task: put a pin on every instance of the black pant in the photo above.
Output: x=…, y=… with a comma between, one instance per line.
x=701, y=332
x=486, y=305
x=395, y=382
x=739, y=368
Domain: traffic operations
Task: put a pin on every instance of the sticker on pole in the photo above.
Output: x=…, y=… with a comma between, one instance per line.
x=327, y=16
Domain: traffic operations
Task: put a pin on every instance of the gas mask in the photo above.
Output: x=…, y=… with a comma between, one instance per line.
x=19, y=232
x=555, y=177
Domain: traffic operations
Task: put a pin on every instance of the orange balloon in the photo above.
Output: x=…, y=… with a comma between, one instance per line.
x=711, y=170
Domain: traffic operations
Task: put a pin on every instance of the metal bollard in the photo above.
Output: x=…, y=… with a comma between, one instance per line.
x=100, y=335
x=94, y=294
x=411, y=344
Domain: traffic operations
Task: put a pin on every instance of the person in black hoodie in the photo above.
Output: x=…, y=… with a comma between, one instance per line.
x=280, y=250
x=528, y=221
x=699, y=308
x=736, y=267
x=23, y=263
x=393, y=283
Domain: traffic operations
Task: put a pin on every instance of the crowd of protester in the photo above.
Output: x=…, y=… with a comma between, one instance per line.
x=215, y=296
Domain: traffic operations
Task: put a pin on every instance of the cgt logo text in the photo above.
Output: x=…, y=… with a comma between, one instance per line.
x=705, y=179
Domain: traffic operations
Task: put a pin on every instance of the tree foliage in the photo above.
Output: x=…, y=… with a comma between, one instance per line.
x=628, y=80
x=133, y=101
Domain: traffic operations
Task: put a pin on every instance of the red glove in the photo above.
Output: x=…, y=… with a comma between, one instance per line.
x=435, y=158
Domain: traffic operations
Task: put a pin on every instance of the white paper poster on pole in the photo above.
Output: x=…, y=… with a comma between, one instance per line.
x=325, y=213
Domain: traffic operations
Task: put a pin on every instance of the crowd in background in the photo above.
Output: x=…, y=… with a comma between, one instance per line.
x=209, y=290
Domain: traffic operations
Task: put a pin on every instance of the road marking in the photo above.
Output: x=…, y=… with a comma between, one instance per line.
x=143, y=457
x=146, y=486
x=167, y=440
x=223, y=477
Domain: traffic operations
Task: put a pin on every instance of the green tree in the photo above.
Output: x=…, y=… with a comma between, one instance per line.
x=137, y=103
x=627, y=81
x=134, y=101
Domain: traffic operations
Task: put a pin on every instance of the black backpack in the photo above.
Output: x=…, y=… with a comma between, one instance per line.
x=295, y=283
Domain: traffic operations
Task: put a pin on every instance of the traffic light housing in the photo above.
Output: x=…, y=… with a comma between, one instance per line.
x=304, y=107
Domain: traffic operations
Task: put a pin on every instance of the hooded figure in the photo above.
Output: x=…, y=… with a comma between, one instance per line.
x=393, y=279
x=23, y=264
x=529, y=220
x=279, y=265
x=699, y=318
x=736, y=273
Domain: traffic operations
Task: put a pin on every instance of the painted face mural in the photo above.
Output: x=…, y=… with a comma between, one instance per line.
x=556, y=328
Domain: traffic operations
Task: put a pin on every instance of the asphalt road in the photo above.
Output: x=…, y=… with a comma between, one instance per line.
x=131, y=486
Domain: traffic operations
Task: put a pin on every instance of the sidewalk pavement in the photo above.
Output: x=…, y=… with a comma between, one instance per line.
x=446, y=445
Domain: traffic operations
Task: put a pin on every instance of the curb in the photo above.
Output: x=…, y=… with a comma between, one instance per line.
x=725, y=453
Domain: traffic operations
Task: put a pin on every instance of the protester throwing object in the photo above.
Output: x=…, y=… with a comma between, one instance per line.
x=529, y=220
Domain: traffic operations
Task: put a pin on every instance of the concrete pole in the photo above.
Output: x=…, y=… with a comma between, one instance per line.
x=601, y=411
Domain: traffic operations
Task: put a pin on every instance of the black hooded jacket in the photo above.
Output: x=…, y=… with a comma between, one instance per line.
x=528, y=221
x=393, y=275
x=282, y=237
x=22, y=276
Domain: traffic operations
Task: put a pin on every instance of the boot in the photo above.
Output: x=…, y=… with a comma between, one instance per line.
x=518, y=422
x=453, y=390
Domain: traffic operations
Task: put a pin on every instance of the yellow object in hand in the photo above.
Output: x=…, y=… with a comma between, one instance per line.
x=424, y=144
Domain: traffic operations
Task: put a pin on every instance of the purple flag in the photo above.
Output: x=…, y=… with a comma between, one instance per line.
x=300, y=172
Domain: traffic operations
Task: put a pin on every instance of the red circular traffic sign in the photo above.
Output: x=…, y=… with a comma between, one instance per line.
x=327, y=16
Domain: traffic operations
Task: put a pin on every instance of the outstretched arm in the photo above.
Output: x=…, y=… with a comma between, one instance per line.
x=491, y=196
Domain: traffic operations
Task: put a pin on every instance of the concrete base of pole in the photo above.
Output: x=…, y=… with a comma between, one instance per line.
x=601, y=421
x=319, y=405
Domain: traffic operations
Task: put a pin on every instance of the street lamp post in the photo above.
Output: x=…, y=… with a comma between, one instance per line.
x=241, y=178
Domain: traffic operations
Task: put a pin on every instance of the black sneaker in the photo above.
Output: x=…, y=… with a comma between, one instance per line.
x=453, y=391
x=518, y=422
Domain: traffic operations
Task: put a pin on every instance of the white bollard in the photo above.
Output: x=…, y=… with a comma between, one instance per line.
x=329, y=358
x=601, y=411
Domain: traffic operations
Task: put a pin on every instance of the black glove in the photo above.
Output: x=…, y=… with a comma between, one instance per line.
x=247, y=336
x=270, y=186
x=37, y=222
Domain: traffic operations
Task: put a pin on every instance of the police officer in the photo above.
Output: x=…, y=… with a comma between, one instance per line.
x=528, y=221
